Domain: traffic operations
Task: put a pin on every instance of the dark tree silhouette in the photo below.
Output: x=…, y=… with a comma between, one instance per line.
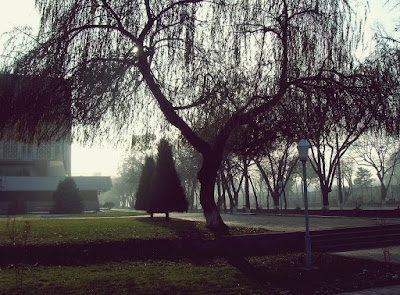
x=143, y=193
x=206, y=65
x=167, y=194
x=67, y=198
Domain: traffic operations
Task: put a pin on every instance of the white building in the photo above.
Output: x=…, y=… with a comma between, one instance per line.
x=30, y=172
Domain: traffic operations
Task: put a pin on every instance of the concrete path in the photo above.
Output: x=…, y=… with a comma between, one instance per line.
x=290, y=223
x=297, y=223
x=390, y=290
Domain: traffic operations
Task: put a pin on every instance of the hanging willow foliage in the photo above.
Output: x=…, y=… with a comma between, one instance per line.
x=212, y=69
x=209, y=59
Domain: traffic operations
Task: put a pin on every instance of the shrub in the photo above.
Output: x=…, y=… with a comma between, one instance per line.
x=109, y=205
x=67, y=198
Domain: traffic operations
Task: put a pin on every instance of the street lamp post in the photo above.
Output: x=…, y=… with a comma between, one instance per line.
x=338, y=174
x=303, y=147
x=280, y=184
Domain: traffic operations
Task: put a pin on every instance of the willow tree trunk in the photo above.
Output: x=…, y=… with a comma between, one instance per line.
x=207, y=177
x=211, y=157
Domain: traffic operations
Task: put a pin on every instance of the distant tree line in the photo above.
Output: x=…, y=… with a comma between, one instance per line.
x=271, y=180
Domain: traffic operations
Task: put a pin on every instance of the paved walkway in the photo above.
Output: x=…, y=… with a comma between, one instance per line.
x=297, y=223
x=391, y=290
x=290, y=223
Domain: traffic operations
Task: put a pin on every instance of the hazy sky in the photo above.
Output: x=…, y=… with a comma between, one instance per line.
x=90, y=161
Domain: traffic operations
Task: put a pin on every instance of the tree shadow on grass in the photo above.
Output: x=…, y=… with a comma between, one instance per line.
x=182, y=229
x=262, y=276
x=191, y=235
x=197, y=231
x=281, y=245
x=330, y=274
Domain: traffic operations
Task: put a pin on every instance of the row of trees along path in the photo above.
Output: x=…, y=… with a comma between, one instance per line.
x=160, y=189
x=218, y=71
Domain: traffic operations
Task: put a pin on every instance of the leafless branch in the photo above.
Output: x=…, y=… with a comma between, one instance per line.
x=200, y=101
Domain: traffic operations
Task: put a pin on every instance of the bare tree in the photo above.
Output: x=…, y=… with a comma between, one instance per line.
x=325, y=156
x=188, y=162
x=276, y=168
x=129, y=175
x=347, y=167
x=124, y=193
x=232, y=178
x=346, y=111
x=382, y=153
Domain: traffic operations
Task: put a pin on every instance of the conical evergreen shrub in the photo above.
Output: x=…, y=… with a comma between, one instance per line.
x=67, y=198
x=145, y=183
x=167, y=193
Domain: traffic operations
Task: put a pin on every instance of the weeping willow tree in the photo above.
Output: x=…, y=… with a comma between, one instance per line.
x=205, y=67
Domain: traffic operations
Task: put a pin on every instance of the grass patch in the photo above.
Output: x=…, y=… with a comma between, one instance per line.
x=279, y=274
x=331, y=273
x=107, y=213
x=272, y=275
x=103, y=213
x=145, y=277
x=61, y=231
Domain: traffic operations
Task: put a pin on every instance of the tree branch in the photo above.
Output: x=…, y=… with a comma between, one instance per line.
x=192, y=105
x=260, y=28
x=77, y=30
x=182, y=2
x=148, y=9
x=152, y=19
x=168, y=110
x=119, y=23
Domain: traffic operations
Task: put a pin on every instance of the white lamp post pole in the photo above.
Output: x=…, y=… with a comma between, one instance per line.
x=303, y=147
x=280, y=193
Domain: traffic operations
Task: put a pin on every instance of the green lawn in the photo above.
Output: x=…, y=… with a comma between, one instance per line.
x=279, y=274
x=103, y=213
x=107, y=213
x=282, y=274
x=149, y=277
x=58, y=231
x=76, y=230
